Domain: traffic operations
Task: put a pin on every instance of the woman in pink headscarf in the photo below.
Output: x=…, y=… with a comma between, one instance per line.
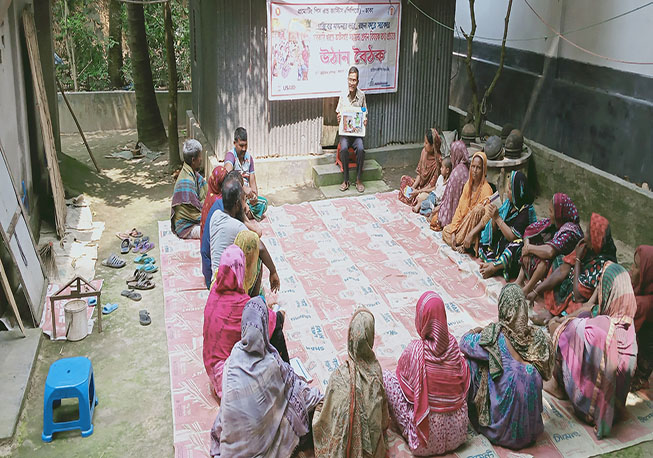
x=427, y=396
x=443, y=214
x=222, y=314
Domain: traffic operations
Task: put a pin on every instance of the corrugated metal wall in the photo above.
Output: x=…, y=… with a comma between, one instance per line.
x=422, y=100
x=230, y=81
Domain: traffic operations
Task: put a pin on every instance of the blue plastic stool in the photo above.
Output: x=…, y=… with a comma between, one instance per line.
x=69, y=378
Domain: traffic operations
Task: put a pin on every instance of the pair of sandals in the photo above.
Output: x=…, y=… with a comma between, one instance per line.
x=114, y=262
x=143, y=246
x=360, y=187
x=140, y=280
x=134, y=233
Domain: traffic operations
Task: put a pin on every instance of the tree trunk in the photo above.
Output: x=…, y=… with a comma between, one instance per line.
x=70, y=49
x=148, y=117
x=174, y=160
x=114, y=60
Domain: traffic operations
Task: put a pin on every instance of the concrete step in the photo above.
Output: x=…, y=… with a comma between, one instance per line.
x=330, y=174
x=371, y=187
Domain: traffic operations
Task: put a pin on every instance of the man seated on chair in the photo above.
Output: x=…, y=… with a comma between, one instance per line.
x=353, y=98
x=239, y=159
x=188, y=196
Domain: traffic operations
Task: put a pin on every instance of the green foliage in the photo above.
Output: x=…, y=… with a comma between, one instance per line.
x=86, y=28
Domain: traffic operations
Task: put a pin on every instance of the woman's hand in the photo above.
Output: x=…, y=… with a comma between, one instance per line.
x=469, y=239
x=274, y=282
x=525, y=248
x=581, y=249
x=532, y=296
x=494, y=212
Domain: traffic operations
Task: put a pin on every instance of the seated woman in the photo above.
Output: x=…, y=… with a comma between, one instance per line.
x=413, y=192
x=463, y=233
x=443, y=213
x=574, y=277
x=213, y=195
x=266, y=408
x=222, y=314
x=428, y=394
x=641, y=277
x=501, y=240
x=548, y=238
x=354, y=418
x=596, y=351
x=508, y=361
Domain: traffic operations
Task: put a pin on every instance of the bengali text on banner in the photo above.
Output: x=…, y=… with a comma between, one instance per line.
x=312, y=44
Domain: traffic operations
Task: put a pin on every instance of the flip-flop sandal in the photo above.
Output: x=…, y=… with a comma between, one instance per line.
x=125, y=245
x=114, y=261
x=106, y=309
x=360, y=187
x=141, y=285
x=147, y=246
x=133, y=295
x=135, y=233
x=92, y=301
x=122, y=235
x=149, y=268
x=344, y=186
x=137, y=247
x=144, y=317
x=139, y=275
x=145, y=239
x=142, y=259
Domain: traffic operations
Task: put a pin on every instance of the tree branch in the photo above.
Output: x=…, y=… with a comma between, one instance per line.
x=502, y=58
x=468, y=60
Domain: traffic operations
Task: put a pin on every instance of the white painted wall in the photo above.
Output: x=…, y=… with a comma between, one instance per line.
x=628, y=38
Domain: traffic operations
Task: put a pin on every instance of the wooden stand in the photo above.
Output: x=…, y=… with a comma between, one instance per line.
x=77, y=287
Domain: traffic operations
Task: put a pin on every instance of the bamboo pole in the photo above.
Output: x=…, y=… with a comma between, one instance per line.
x=79, y=128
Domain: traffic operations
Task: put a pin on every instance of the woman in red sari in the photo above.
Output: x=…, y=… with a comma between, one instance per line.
x=214, y=193
x=413, y=191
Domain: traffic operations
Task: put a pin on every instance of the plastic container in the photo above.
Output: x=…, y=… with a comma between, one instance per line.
x=76, y=319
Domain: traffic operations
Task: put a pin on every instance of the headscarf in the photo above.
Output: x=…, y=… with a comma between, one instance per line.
x=470, y=198
x=214, y=193
x=564, y=210
x=224, y=309
x=455, y=184
x=248, y=241
x=530, y=342
x=601, y=241
x=616, y=295
x=521, y=199
x=432, y=372
x=355, y=415
x=262, y=396
x=644, y=288
x=537, y=228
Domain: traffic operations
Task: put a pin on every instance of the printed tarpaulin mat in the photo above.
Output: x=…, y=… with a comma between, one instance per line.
x=332, y=257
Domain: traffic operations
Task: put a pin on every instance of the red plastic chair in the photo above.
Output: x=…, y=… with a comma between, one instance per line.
x=352, y=158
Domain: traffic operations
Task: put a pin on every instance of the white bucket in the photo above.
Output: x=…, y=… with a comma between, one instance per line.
x=76, y=319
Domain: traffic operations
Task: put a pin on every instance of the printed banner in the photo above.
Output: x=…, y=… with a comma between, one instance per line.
x=312, y=44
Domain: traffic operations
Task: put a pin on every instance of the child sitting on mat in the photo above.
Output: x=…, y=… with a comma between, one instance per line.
x=435, y=196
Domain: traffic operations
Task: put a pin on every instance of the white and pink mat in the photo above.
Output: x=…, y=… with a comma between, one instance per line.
x=333, y=256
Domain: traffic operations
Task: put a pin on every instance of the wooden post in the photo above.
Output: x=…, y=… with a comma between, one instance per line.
x=45, y=121
x=10, y=297
x=79, y=128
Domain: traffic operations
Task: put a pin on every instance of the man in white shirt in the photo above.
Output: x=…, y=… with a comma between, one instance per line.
x=353, y=98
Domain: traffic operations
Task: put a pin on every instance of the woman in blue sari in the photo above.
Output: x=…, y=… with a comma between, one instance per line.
x=501, y=240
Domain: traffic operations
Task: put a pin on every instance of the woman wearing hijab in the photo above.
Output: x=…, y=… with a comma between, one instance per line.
x=463, y=233
x=354, y=418
x=641, y=277
x=575, y=277
x=428, y=171
x=597, y=351
x=248, y=241
x=548, y=238
x=266, y=408
x=222, y=314
x=508, y=361
x=443, y=213
x=502, y=238
x=428, y=394
x=214, y=194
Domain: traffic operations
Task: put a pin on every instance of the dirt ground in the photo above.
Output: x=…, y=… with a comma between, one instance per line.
x=130, y=361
